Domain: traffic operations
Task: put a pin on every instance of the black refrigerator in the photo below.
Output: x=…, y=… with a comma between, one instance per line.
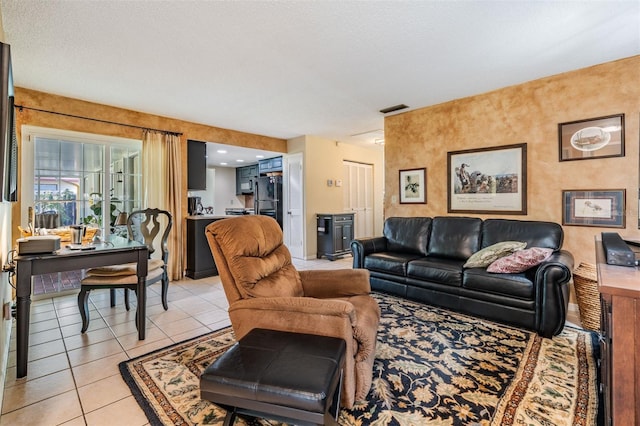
x=267, y=197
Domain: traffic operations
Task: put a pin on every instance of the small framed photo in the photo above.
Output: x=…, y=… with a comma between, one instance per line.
x=600, y=137
x=602, y=208
x=413, y=186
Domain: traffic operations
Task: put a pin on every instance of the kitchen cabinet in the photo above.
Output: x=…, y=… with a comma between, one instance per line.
x=196, y=165
x=245, y=179
x=270, y=165
x=200, y=262
x=335, y=233
x=619, y=288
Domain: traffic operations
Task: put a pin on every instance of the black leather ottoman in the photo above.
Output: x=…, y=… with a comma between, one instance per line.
x=288, y=377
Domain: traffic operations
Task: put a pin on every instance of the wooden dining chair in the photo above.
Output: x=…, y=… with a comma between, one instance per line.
x=148, y=226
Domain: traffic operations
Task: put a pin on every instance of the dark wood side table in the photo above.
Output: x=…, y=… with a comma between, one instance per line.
x=118, y=250
x=619, y=288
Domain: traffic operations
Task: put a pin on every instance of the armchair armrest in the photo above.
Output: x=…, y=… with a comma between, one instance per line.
x=304, y=305
x=324, y=284
x=326, y=317
x=364, y=246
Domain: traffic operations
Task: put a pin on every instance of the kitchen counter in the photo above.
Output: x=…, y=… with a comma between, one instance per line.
x=200, y=263
x=209, y=216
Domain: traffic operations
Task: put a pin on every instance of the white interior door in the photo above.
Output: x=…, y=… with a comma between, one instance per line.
x=358, y=196
x=294, y=235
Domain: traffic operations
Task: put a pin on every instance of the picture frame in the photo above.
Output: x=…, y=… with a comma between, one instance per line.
x=600, y=137
x=594, y=207
x=488, y=180
x=413, y=186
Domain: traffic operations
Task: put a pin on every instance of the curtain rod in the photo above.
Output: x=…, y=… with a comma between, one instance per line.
x=21, y=107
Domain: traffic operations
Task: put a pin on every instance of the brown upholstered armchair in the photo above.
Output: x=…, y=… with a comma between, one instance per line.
x=265, y=290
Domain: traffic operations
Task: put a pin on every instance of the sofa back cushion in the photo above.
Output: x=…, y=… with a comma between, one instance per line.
x=455, y=237
x=534, y=233
x=407, y=234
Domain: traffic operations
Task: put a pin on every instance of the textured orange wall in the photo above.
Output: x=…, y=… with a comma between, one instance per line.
x=50, y=102
x=528, y=113
x=75, y=107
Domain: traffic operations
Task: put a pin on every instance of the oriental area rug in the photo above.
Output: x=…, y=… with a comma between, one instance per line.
x=432, y=367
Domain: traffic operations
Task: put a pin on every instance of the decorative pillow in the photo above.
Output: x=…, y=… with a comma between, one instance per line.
x=520, y=261
x=488, y=255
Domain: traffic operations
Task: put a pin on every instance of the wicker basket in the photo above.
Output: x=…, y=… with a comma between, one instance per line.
x=585, y=282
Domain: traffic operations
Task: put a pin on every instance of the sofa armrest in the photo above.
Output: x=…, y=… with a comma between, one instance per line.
x=361, y=247
x=552, y=278
x=325, y=284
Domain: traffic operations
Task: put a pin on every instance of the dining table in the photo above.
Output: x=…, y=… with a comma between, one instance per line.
x=113, y=251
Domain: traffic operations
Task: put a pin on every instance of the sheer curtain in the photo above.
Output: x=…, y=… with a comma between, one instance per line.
x=161, y=188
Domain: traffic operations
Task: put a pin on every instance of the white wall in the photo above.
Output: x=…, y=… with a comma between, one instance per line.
x=5, y=289
x=225, y=190
x=323, y=160
x=207, y=196
x=221, y=191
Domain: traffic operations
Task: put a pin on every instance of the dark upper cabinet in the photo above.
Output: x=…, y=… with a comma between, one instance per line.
x=270, y=165
x=197, y=165
x=245, y=179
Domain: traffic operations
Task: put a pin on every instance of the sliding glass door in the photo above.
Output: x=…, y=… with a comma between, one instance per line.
x=77, y=178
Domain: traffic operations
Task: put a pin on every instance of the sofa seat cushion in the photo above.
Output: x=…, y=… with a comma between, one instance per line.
x=436, y=269
x=513, y=285
x=389, y=262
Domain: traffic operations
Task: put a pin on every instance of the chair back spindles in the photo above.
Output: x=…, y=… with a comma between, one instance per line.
x=144, y=226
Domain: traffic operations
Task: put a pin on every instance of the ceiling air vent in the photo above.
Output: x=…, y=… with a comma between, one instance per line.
x=393, y=108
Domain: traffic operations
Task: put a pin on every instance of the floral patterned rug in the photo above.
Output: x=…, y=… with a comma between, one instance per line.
x=433, y=367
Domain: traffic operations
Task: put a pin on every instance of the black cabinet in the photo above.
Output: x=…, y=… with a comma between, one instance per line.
x=200, y=262
x=245, y=179
x=335, y=233
x=196, y=165
x=270, y=165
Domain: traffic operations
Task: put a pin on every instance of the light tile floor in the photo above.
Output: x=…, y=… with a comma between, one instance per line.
x=73, y=378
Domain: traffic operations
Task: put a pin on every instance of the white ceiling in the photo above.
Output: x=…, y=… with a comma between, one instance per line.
x=291, y=68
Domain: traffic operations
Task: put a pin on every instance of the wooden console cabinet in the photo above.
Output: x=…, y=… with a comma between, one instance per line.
x=335, y=232
x=619, y=288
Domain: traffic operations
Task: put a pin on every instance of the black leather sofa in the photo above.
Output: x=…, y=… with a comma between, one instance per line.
x=422, y=258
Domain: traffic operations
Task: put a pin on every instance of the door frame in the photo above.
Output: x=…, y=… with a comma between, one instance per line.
x=298, y=253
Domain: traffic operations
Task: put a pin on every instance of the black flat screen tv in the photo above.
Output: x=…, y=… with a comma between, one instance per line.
x=8, y=141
